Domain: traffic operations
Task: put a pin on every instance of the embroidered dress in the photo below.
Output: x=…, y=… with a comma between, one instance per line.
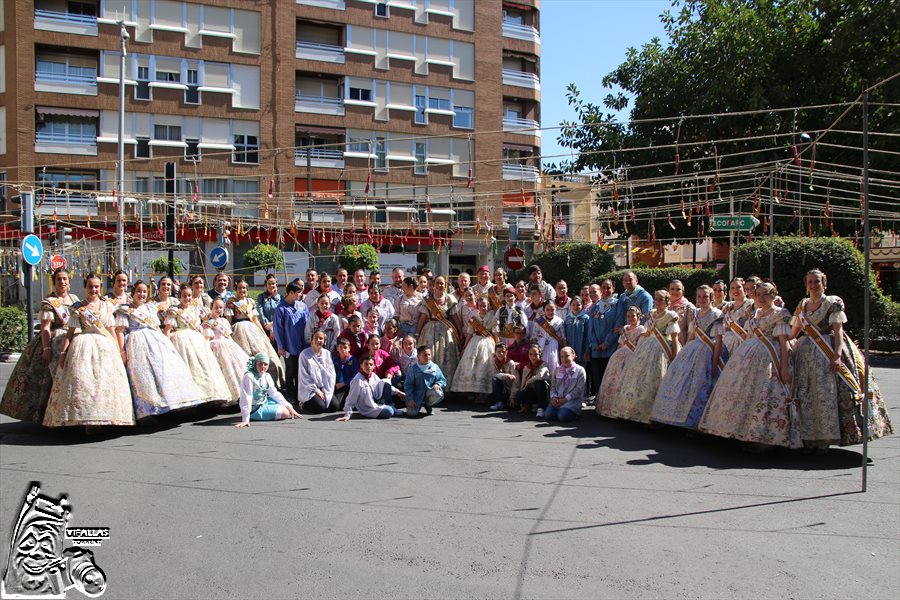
x=438, y=335
x=830, y=411
x=328, y=323
x=231, y=357
x=507, y=319
x=644, y=372
x=550, y=343
x=749, y=402
x=685, y=311
x=248, y=334
x=612, y=377
x=162, y=307
x=688, y=382
x=92, y=388
x=28, y=388
x=735, y=316
x=201, y=361
x=160, y=380
x=475, y=370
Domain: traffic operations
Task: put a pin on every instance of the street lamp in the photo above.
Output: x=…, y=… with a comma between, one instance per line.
x=121, y=165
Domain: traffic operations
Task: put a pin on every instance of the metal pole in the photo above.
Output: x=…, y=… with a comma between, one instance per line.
x=866, y=293
x=27, y=199
x=120, y=257
x=772, y=227
x=731, y=242
x=170, y=215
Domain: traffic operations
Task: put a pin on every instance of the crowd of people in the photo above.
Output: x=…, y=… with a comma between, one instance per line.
x=743, y=367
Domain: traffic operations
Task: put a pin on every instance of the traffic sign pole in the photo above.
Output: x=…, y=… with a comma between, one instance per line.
x=28, y=228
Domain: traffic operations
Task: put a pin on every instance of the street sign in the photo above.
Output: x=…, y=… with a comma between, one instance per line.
x=218, y=256
x=514, y=258
x=57, y=262
x=732, y=223
x=32, y=249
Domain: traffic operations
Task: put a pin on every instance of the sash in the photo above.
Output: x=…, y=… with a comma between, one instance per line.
x=211, y=323
x=826, y=350
x=236, y=306
x=94, y=321
x=140, y=319
x=629, y=344
x=479, y=328
x=56, y=305
x=435, y=311
x=188, y=319
x=548, y=328
x=666, y=347
x=701, y=335
x=773, y=354
x=495, y=300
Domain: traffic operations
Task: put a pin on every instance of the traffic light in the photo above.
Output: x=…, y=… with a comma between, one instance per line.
x=52, y=236
x=65, y=235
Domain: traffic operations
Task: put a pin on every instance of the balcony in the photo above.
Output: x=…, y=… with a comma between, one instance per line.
x=320, y=52
x=65, y=143
x=66, y=82
x=321, y=105
x=335, y=4
x=521, y=32
x=514, y=172
x=320, y=157
x=521, y=79
x=74, y=203
x=523, y=126
x=65, y=22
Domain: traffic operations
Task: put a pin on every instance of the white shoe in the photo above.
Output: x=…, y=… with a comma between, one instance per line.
x=498, y=406
x=540, y=413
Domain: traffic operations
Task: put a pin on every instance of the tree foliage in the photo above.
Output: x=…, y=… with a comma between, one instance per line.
x=658, y=278
x=359, y=256
x=160, y=264
x=729, y=56
x=575, y=262
x=264, y=257
x=13, y=329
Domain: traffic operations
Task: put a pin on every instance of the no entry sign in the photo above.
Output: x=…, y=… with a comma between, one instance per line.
x=514, y=258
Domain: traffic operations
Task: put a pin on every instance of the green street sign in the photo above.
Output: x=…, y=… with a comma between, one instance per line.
x=733, y=223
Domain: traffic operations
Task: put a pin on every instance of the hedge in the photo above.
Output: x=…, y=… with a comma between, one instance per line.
x=574, y=262
x=839, y=260
x=13, y=329
x=658, y=278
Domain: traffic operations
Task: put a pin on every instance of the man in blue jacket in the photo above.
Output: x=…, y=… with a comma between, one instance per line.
x=634, y=295
x=602, y=336
x=288, y=325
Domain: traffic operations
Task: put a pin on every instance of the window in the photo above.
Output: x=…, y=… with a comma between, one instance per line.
x=463, y=117
x=169, y=76
x=421, y=168
x=246, y=149
x=142, y=150
x=361, y=94
x=142, y=91
x=72, y=182
x=142, y=190
x=381, y=9
x=513, y=16
x=356, y=144
x=192, y=150
x=168, y=133
x=380, y=153
x=82, y=8
x=420, y=109
x=192, y=93
x=439, y=103
x=66, y=130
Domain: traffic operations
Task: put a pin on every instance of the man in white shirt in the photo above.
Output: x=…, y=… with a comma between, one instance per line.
x=395, y=290
x=375, y=300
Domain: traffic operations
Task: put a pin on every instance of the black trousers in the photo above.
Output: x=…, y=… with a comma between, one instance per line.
x=598, y=369
x=535, y=394
x=291, y=366
x=316, y=406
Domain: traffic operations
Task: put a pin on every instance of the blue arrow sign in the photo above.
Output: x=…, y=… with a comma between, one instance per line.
x=218, y=256
x=32, y=249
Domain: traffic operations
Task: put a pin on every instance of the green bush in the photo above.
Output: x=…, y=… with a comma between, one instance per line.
x=658, y=278
x=160, y=264
x=13, y=329
x=358, y=256
x=574, y=262
x=838, y=259
x=263, y=257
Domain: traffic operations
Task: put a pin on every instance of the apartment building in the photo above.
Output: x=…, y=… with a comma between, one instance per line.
x=406, y=123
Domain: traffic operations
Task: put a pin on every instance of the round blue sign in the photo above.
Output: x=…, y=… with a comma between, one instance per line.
x=218, y=256
x=32, y=249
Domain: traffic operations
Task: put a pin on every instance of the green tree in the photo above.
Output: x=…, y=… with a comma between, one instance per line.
x=358, y=256
x=576, y=263
x=161, y=265
x=263, y=257
x=729, y=56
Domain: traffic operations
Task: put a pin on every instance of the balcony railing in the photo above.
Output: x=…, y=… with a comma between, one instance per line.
x=64, y=22
x=64, y=17
x=520, y=172
x=72, y=78
x=335, y=4
x=323, y=52
x=319, y=104
x=320, y=153
x=521, y=79
x=521, y=32
x=69, y=139
x=525, y=126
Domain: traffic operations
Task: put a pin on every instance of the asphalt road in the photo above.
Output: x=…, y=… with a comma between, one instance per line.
x=465, y=504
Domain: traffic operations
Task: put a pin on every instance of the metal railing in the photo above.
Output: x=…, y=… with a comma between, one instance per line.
x=522, y=32
x=522, y=125
x=73, y=199
x=520, y=78
x=520, y=172
x=329, y=101
x=320, y=153
x=71, y=139
x=64, y=17
x=319, y=48
x=47, y=76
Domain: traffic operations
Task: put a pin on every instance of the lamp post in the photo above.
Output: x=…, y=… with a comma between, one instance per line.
x=120, y=176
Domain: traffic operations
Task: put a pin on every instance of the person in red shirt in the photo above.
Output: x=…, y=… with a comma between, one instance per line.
x=355, y=335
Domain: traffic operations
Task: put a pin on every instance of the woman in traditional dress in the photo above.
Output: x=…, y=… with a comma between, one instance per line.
x=632, y=332
x=202, y=300
x=322, y=319
x=28, y=388
x=752, y=399
x=160, y=380
x=260, y=399
x=548, y=331
x=828, y=374
x=248, y=331
x=182, y=325
x=645, y=370
x=689, y=380
x=683, y=307
x=437, y=332
x=422, y=285
x=164, y=298
x=475, y=370
x=119, y=294
x=406, y=308
x=508, y=317
x=231, y=357
x=495, y=294
x=464, y=310
x=719, y=301
x=735, y=316
x=750, y=284
x=91, y=386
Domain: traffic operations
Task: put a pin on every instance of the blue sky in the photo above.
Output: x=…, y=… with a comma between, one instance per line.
x=581, y=41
